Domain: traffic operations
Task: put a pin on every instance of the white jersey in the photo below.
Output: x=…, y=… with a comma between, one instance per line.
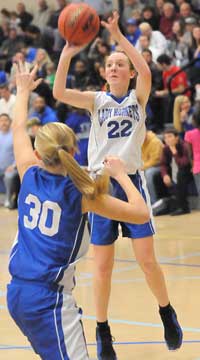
x=118, y=129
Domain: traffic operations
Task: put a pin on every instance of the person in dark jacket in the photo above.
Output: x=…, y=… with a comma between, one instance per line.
x=176, y=169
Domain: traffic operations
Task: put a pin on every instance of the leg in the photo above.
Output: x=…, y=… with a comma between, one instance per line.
x=144, y=252
x=145, y=256
x=103, y=265
x=11, y=181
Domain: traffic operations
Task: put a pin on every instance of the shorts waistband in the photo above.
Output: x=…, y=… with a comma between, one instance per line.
x=51, y=286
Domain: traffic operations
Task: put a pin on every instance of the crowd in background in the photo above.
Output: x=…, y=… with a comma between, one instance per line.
x=167, y=33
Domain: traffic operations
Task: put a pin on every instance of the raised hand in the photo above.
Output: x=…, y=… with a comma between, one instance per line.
x=25, y=79
x=71, y=50
x=112, y=26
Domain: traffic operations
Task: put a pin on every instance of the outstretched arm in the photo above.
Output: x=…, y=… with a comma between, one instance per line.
x=23, y=151
x=143, y=85
x=79, y=99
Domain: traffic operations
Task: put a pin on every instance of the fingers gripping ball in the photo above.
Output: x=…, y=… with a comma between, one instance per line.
x=78, y=23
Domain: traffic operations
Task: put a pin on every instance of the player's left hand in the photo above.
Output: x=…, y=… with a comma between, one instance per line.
x=112, y=26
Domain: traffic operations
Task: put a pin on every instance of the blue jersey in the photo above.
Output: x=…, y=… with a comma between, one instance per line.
x=50, y=229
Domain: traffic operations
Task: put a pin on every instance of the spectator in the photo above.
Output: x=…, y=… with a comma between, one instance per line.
x=33, y=125
x=176, y=169
x=192, y=138
x=186, y=11
x=178, y=48
x=129, y=6
x=42, y=60
x=156, y=120
x=183, y=113
x=166, y=21
x=157, y=41
x=7, y=100
x=178, y=85
x=8, y=171
x=132, y=31
x=79, y=121
x=81, y=78
x=24, y=16
x=10, y=46
x=19, y=56
x=149, y=15
x=44, y=112
x=151, y=156
x=41, y=15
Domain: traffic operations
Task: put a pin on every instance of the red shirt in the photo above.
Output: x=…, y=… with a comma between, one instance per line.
x=180, y=79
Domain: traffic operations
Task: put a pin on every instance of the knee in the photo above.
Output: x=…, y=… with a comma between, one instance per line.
x=104, y=268
x=148, y=266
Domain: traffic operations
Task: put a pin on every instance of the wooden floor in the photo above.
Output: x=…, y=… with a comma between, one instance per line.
x=133, y=311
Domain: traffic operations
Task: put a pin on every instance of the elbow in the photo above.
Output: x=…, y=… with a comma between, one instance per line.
x=145, y=216
x=57, y=94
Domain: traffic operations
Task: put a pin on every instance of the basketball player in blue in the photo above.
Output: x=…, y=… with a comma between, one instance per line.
x=54, y=198
x=118, y=128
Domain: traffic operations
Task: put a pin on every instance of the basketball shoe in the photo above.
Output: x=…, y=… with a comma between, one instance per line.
x=172, y=331
x=104, y=340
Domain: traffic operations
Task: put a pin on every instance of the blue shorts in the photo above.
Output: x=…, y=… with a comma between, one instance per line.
x=49, y=318
x=105, y=231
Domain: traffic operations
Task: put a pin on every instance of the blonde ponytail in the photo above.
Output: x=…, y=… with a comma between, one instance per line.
x=55, y=142
x=88, y=187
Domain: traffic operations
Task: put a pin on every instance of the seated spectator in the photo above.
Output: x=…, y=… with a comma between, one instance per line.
x=50, y=75
x=42, y=15
x=155, y=123
x=12, y=44
x=7, y=100
x=79, y=121
x=176, y=169
x=33, y=125
x=24, y=16
x=150, y=16
x=44, y=112
x=151, y=156
x=8, y=170
x=178, y=48
x=183, y=113
x=192, y=137
x=157, y=40
x=129, y=7
x=42, y=60
x=81, y=78
x=178, y=85
x=186, y=11
x=132, y=31
x=19, y=56
x=167, y=19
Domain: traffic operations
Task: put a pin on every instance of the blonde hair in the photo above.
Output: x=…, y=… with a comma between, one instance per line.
x=55, y=142
x=176, y=112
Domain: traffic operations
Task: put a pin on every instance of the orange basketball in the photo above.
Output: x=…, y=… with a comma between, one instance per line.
x=78, y=23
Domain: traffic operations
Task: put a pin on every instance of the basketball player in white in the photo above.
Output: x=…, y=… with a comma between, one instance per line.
x=118, y=128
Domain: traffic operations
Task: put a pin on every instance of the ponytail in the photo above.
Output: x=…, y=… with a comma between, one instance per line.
x=85, y=184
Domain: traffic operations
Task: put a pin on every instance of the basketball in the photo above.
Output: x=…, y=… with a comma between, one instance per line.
x=78, y=23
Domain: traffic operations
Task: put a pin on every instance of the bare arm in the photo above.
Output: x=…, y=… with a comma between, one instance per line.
x=23, y=151
x=143, y=85
x=76, y=98
x=133, y=211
